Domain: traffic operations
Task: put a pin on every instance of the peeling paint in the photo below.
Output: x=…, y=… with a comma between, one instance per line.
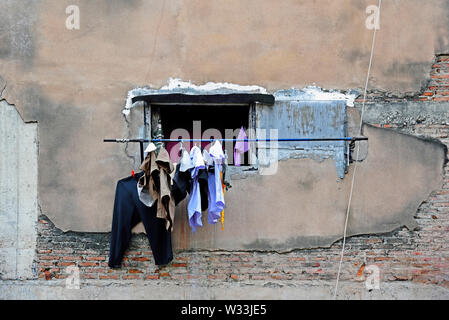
x=314, y=93
x=176, y=85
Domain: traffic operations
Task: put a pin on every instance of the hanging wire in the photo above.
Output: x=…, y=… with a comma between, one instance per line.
x=357, y=153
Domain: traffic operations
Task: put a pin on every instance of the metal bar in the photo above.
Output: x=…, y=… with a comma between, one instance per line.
x=247, y=140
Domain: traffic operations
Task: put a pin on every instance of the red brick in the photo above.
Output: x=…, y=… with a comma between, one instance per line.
x=88, y=264
x=95, y=270
x=440, y=76
x=260, y=277
x=383, y=259
x=282, y=276
x=71, y=258
x=66, y=264
x=152, y=277
x=131, y=277
x=440, y=99
x=49, y=258
x=179, y=265
x=182, y=258
x=109, y=276
x=66, y=251
x=135, y=271
x=95, y=258
x=217, y=276
x=46, y=264
x=297, y=259
x=133, y=253
x=140, y=259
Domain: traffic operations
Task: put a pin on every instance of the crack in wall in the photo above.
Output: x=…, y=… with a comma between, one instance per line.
x=128, y=155
x=3, y=90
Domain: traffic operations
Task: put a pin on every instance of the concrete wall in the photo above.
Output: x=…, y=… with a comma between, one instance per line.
x=18, y=194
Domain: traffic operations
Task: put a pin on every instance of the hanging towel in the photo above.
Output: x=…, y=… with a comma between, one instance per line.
x=215, y=194
x=240, y=147
x=194, y=204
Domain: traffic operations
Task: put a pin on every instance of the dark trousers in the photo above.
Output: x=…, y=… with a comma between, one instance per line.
x=128, y=211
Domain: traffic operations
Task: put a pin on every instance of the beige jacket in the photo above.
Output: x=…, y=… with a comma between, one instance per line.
x=157, y=179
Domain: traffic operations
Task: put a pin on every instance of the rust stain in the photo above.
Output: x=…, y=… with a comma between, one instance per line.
x=360, y=272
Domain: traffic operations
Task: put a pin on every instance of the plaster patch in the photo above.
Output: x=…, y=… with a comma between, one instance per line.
x=314, y=93
x=176, y=85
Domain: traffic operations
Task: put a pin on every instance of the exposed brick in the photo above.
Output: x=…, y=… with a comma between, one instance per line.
x=49, y=258
x=140, y=259
x=164, y=274
x=131, y=277
x=95, y=270
x=179, y=265
x=95, y=258
x=88, y=264
x=66, y=263
x=135, y=271
x=71, y=258
x=109, y=276
x=217, y=276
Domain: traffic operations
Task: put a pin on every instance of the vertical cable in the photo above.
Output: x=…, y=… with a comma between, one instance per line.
x=357, y=153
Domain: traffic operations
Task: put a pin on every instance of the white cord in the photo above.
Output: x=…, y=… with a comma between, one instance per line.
x=357, y=153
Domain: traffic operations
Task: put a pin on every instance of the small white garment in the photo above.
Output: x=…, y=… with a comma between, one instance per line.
x=207, y=158
x=215, y=191
x=216, y=152
x=185, y=163
x=145, y=197
x=197, y=161
x=151, y=147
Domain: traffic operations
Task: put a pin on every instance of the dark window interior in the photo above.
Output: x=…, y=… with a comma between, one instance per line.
x=211, y=116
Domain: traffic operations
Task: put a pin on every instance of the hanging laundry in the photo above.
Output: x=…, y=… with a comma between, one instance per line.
x=128, y=211
x=185, y=162
x=181, y=179
x=157, y=180
x=194, y=204
x=215, y=194
x=240, y=147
